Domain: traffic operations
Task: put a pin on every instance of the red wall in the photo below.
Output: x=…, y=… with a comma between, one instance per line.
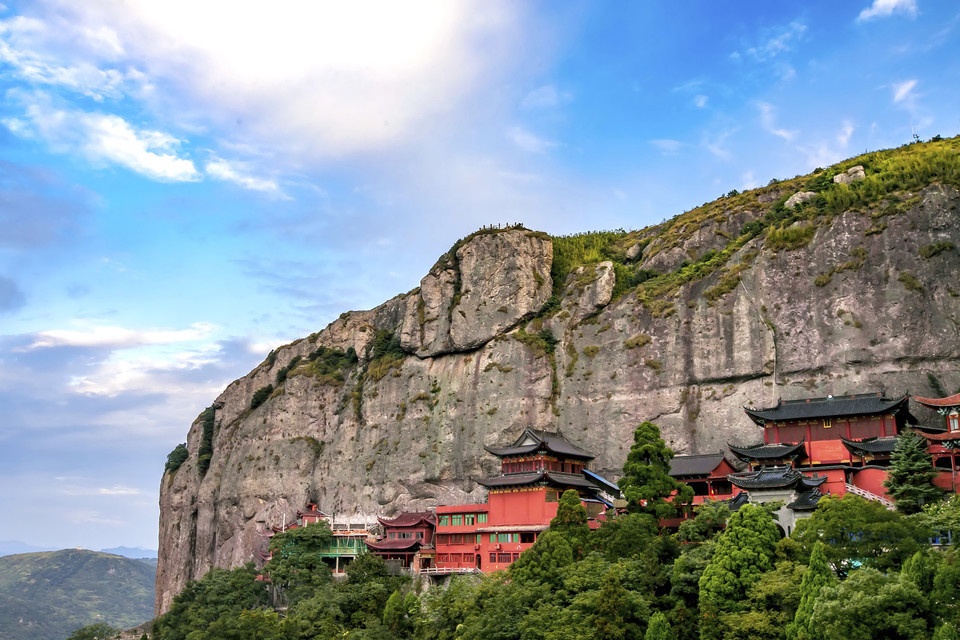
x=871, y=480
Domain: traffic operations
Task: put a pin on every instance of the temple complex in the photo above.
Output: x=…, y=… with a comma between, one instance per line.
x=407, y=540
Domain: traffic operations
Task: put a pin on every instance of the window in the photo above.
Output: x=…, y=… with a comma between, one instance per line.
x=516, y=557
x=444, y=521
x=827, y=423
x=419, y=535
x=478, y=538
x=493, y=537
x=503, y=557
x=953, y=420
x=493, y=557
x=527, y=538
x=468, y=519
x=516, y=537
x=481, y=518
x=392, y=535
x=457, y=520
x=551, y=495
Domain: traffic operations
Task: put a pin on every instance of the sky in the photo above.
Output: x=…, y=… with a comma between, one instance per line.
x=184, y=185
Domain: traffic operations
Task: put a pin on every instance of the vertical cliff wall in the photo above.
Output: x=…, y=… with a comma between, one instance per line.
x=866, y=300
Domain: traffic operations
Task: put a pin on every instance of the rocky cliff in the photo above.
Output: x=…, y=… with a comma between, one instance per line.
x=733, y=304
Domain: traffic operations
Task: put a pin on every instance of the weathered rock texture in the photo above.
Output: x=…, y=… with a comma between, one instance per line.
x=856, y=309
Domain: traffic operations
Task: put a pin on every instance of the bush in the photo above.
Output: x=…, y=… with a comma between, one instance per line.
x=930, y=250
x=176, y=458
x=260, y=396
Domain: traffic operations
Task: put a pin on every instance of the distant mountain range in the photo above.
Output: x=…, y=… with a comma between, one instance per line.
x=11, y=547
x=47, y=595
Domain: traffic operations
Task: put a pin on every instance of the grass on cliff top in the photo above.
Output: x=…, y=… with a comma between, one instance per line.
x=892, y=176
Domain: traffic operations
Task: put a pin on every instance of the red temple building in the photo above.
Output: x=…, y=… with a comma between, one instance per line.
x=706, y=474
x=845, y=440
x=944, y=446
x=534, y=471
x=407, y=540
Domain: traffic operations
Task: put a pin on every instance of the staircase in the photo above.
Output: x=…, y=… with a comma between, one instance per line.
x=869, y=495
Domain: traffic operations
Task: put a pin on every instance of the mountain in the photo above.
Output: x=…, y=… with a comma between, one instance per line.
x=45, y=596
x=841, y=281
x=131, y=552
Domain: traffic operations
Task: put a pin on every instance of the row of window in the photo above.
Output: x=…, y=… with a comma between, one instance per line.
x=461, y=519
x=405, y=535
x=538, y=465
x=469, y=538
x=502, y=558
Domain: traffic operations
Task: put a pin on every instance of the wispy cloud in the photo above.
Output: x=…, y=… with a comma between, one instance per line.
x=768, y=119
x=667, y=146
x=700, y=100
x=903, y=91
x=528, y=141
x=846, y=130
x=238, y=174
x=886, y=8
x=545, y=97
x=773, y=42
x=117, y=337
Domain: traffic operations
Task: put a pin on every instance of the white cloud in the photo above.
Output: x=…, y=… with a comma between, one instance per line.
x=903, y=90
x=774, y=43
x=104, y=138
x=318, y=80
x=885, y=8
x=528, y=141
x=238, y=174
x=748, y=181
x=843, y=138
x=117, y=337
x=154, y=374
x=545, y=97
x=768, y=120
x=667, y=146
x=700, y=100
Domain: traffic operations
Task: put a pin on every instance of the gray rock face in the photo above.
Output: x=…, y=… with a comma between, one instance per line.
x=495, y=280
x=853, y=174
x=851, y=311
x=797, y=198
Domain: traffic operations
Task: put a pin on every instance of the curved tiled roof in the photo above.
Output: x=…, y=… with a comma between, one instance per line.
x=410, y=519
x=777, y=451
x=695, y=465
x=936, y=403
x=395, y=544
x=871, y=445
x=551, y=477
x=835, y=407
x=806, y=501
x=774, y=478
x=530, y=441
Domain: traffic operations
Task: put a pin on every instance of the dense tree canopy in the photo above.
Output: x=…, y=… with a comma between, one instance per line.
x=911, y=473
x=646, y=482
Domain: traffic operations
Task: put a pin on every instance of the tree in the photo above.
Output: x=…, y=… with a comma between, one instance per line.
x=541, y=563
x=946, y=631
x=646, y=481
x=296, y=564
x=710, y=520
x=858, y=531
x=941, y=518
x=659, y=628
x=744, y=551
x=946, y=587
x=817, y=576
x=571, y=521
x=98, y=631
x=910, y=477
x=871, y=606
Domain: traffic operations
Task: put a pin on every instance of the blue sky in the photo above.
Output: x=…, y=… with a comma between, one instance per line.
x=185, y=185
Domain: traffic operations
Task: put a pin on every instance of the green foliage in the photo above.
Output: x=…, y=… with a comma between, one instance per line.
x=946, y=631
x=205, y=451
x=817, y=576
x=330, y=365
x=542, y=562
x=930, y=250
x=282, y=373
x=571, y=521
x=260, y=396
x=646, y=482
x=743, y=553
x=296, y=564
x=385, y=353
x=941, y=517
x=659, y=628
x=945, y=595
x=97, y=631
x=711, y=517
x=910, y=477
x=858, y=532
x=869, y=605
x=201, y=603
x=258, y=624
x=176, y=458
x=910, y=282
x=790, y=238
